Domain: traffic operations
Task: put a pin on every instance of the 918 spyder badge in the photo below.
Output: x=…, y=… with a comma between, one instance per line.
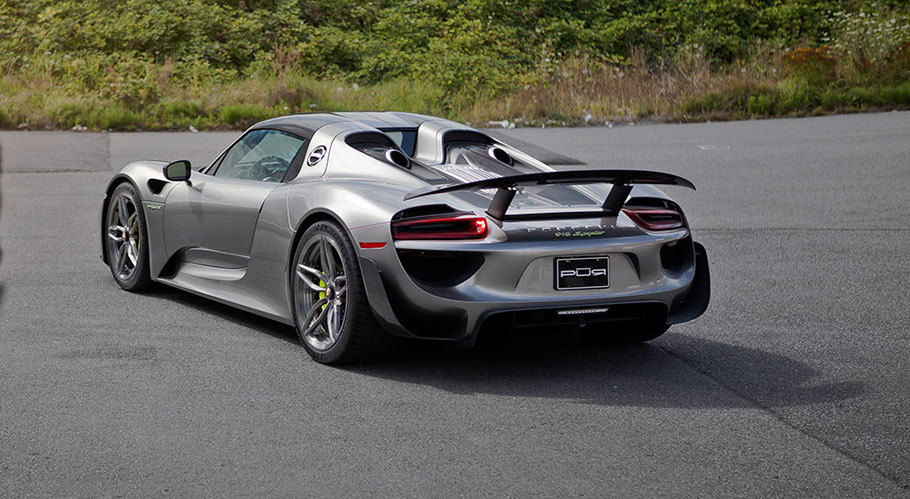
x=571, y=232
x=582, y=273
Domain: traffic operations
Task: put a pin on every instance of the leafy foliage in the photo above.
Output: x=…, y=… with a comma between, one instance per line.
x=161, y=60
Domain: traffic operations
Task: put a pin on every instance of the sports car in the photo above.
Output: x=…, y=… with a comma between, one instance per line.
x=360, y=229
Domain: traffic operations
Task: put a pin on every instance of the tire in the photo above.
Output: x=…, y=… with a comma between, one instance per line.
x=333, y=318
x=126, y=241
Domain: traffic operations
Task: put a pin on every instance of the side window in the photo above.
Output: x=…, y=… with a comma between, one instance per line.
x=405, y=139
x=263, y=155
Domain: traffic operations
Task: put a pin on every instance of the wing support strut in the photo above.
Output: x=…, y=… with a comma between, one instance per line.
x=506, y=188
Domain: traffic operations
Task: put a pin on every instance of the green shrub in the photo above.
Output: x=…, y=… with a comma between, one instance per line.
x=896, y=65
x=796, y=95
x=760, y=105
x=815, y=64
x=244, y=115
x=899, y=94
x=167, y=63
x=707, y=102
x=70, y=112
x=834, y=98
x=862, y=97
x=114, y=118
x=179, y=110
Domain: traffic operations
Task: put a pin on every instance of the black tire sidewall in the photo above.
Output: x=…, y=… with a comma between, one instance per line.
x=355, y=304
x=140, y=278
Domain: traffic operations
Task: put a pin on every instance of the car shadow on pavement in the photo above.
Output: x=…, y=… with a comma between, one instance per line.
x=663, y=373
x=676, y=370
x=226, y=312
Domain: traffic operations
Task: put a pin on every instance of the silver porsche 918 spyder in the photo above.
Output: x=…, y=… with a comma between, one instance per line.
x=362, y=228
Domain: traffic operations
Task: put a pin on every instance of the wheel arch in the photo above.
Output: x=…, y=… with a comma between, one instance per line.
x=115, y=182
x=317, y=215
x=313, y=216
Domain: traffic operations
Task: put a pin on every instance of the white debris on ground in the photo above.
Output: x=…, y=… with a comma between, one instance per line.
x=503, y=123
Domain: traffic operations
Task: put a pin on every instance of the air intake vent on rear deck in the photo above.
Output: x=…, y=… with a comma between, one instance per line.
x=379, y=146
x=500, y=154
x=396, y=157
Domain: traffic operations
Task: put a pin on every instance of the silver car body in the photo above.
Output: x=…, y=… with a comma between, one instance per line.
x=233, y=240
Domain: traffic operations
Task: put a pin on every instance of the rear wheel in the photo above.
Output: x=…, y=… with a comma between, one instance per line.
x=126, y=239
x=331, y=312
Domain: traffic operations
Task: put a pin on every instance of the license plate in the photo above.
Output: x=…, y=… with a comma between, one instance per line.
x=590, y=272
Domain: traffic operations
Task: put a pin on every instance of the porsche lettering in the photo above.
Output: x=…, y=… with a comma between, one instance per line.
x=583, y=272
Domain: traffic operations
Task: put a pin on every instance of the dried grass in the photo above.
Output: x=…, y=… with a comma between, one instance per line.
x=585, y=93
x=169, y=95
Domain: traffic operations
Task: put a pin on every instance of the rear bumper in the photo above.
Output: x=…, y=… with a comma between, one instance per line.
x=519, y=278
x=696, y=300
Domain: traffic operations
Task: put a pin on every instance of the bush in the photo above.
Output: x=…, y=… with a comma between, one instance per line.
x=482, y=45
x=181, y=109
x=114, y=118
x=814, y=64
x=896, y=66
x=167, y=63
x=244, y=115
x=899, y=94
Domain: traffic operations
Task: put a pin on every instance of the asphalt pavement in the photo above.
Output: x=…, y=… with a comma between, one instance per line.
x=795, y=383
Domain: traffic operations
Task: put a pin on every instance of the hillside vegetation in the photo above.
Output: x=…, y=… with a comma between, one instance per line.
x=168, y=64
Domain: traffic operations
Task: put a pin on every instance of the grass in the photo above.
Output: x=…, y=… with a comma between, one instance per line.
x=765, y=86
x=213, y=64
x=578, y=92
x=39, y=102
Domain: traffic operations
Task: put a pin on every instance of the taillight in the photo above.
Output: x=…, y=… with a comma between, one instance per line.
x=440, y=227
x=655, y=218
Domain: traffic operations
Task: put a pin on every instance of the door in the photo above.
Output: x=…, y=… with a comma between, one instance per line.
x=212, y=218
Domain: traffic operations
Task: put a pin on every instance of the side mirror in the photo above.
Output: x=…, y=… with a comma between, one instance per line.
x=178, y=171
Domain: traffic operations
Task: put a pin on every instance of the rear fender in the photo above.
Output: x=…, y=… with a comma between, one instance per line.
x=696, y=301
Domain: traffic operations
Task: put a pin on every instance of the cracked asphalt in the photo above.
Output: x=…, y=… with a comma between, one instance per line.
x=794, y=383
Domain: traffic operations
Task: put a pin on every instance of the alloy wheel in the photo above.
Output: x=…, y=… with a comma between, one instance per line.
x=124, y=236
x=320, y=292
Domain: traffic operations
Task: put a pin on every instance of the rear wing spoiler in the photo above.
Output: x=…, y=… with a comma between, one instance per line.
x=622, y=181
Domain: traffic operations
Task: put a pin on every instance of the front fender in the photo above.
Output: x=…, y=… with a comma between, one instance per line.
x=147, y=177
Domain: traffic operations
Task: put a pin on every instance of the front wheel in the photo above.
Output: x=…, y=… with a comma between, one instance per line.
x=331, y=312
x=126, y=239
